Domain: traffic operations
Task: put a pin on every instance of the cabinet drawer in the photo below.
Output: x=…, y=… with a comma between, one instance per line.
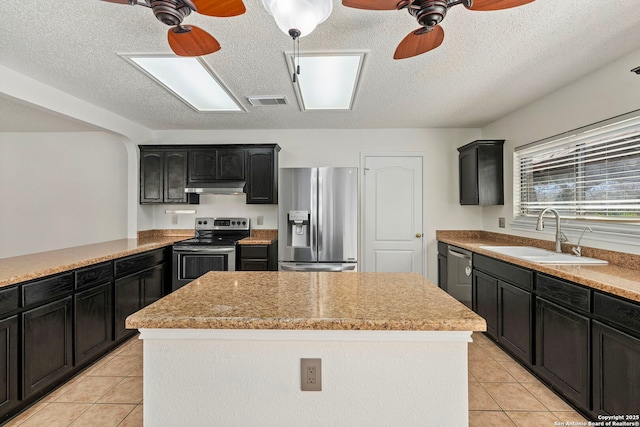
x=94, y=275
x=137, y=263
x=254, y=252
x=42, y=290
x=562, y=292
x=9, y=299
x=515, y=275
x=615, y=310
x=254, y=265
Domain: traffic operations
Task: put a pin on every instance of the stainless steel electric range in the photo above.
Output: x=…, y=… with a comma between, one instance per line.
x=212, y=249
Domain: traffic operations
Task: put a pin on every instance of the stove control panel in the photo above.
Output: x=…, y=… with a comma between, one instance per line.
x=222, y=223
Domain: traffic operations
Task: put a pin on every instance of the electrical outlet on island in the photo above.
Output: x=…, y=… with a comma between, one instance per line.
x=311, y=374
x=501, y=223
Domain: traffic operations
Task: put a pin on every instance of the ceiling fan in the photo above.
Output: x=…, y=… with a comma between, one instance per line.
x=429, y=14
x=189, y=40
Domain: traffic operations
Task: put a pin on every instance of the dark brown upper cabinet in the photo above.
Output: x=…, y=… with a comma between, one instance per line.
x=230, y=164
x=262, y=175
x=163, y=177
x=480, y=170
x=209, y=165
x=202, y=166
x=165, y=171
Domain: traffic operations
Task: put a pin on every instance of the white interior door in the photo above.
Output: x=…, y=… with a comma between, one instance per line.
x=393, y=214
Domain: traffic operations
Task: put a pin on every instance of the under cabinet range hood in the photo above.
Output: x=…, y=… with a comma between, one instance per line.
x=228, y=187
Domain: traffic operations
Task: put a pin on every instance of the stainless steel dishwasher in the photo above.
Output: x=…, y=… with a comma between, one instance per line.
x=459, y=274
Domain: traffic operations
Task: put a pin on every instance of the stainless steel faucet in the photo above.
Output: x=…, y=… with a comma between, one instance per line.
x=560, y=237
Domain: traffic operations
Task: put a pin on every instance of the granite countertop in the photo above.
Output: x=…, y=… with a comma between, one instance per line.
x=309, y=301
x=620, y=277
x=260, y=237
x=33, y=266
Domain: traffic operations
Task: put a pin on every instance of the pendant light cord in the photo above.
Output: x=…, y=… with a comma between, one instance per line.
x=295, y=35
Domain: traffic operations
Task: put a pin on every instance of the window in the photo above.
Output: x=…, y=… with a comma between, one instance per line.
x=591, y=173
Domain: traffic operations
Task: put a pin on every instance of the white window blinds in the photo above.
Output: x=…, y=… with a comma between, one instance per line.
x=590, y=173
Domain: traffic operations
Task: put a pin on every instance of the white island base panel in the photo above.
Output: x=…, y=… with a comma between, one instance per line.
x=252, y=378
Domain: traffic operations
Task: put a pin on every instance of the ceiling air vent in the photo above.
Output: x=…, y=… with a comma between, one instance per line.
x=636, y=70
x=267, y=101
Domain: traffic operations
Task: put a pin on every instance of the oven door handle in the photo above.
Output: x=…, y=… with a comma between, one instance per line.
x=208, y=250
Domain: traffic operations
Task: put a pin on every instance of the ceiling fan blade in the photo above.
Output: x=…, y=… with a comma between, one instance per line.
x=372, y=4
x=131, y=2
x=416, y=43
x=220, y=8
x=189, y=40
x=497, y=4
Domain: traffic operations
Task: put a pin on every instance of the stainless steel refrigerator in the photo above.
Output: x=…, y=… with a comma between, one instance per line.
x=318, y=219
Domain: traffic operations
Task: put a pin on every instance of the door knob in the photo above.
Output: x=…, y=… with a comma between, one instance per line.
x=418, y=235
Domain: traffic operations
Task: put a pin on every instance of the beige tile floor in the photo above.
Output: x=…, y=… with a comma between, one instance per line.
x=109, y=393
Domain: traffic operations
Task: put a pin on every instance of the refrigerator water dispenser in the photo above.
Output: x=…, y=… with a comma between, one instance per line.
x=298, y=229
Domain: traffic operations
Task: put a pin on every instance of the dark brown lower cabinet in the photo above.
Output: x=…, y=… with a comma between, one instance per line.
x=562, y=350
x=47, y=345
x=485, y=300
x=52, y=327
x=586, y=343
x=152, y=284
x=616, y=371
x=515, y=320
x=8, y=363
x=94, y=321
x=442, y=271
x=135, y=292
x=258, y=257
x=127, y=301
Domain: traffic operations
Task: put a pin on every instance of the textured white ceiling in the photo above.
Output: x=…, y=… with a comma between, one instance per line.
x=489, y=64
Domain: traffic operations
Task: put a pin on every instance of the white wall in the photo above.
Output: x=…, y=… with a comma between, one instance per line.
x=339, y=147
x=60, y=190
x=608, y=92
x=208, y=377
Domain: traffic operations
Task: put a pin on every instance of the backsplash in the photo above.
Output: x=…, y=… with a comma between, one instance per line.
x=147, y=234
x=212, y=205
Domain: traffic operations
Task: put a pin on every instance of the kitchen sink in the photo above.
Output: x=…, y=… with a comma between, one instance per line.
x=542, y=256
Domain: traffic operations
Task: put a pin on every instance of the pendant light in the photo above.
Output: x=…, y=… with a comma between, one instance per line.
x=301, y=15
x=298, y=18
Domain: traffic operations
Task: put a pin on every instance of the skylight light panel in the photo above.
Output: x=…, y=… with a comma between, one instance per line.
x=327, y=81
x=189, y=79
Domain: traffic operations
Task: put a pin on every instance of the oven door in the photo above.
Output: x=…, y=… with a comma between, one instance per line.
x=189, y=262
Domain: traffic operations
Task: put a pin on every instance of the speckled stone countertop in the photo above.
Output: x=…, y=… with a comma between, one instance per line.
x=28, y=267
x=260, y=237
x=621, y=277
x=309, y=301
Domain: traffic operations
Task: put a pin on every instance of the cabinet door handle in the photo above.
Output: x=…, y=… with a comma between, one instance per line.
x=418, y=235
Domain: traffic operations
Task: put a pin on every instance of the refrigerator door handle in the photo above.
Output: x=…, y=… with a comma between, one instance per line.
x=320, y=210
x=314, y=215
x=316, y=267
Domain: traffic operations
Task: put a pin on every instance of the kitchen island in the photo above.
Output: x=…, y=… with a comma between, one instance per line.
x=226, y=349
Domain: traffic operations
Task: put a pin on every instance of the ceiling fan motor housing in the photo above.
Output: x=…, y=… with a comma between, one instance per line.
x=429, y=13
x=170, y=12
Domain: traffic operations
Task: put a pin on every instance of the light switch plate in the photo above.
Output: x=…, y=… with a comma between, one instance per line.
x=501, y=222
